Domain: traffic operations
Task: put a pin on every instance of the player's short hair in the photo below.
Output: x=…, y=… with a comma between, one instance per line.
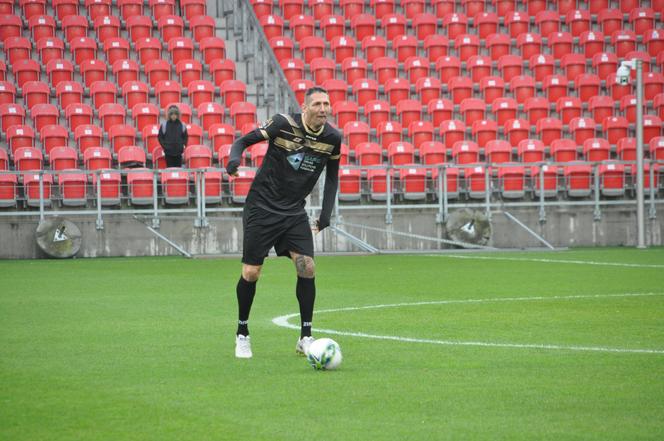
x=316, y=89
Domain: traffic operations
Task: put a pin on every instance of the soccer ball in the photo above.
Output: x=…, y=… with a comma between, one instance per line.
x=324, y=354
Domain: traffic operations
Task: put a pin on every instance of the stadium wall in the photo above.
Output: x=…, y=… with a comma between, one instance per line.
x=126, y=236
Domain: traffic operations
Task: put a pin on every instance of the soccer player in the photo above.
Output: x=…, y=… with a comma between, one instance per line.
x=300, y=147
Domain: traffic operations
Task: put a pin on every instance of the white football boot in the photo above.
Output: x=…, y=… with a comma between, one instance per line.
x=302, y=346
x=243, y=346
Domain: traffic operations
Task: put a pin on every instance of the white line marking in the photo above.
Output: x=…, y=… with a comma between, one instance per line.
x=525, y=259
x=283, y=321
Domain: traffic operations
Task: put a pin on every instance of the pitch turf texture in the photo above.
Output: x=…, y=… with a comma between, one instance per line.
x=142, y=349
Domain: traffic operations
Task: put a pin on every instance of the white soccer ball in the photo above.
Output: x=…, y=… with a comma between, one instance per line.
x=324, y=354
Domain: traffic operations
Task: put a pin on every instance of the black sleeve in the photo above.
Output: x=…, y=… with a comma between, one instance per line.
x=268, y=130
x=161, y=137
x=330, y=191
x=185, y=135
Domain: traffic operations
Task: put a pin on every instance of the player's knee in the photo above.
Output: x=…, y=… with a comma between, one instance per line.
x=251, y=273
x=305, y=266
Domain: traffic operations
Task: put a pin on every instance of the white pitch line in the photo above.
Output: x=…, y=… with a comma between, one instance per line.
x=283, y=321
x=526, y=259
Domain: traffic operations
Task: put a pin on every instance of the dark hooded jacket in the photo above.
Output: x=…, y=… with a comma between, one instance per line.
x=173, y=137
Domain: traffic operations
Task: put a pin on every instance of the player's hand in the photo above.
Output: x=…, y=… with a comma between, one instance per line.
x=321, y=224
x=232, y=167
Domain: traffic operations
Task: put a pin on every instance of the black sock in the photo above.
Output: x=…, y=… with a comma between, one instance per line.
x=245, y=297
x=306, y=294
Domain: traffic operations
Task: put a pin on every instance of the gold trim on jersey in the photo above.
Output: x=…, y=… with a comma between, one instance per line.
x=335, y=157
x=286, y=144
x=297, y=130
x=265, y=135
x=319, y=132
x=320, y=146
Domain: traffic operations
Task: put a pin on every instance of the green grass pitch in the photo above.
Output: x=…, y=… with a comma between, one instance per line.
x=142, y=349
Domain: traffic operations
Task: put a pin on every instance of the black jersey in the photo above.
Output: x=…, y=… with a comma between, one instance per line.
x=295, y=158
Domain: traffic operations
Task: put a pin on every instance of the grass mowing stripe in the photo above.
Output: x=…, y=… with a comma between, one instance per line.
x=525, y=259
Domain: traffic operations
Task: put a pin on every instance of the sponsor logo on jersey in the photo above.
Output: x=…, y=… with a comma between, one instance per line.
x=295, y=160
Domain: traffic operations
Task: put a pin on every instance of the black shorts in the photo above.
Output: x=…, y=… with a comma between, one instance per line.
x=264, y=229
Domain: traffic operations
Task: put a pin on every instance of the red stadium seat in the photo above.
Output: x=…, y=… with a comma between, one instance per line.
x=83, y=49
x=596, y=149
x=28, y=158
x=652, y=127
x=592, y=43
x=486, y=24
x=262, y=7
x=428, y=89
x=44, y=114
x=611, y=179
x=642, y=20
x=356, y=132
x=140, y=187
x=420, y=132
x=484, y=131
x=623, y=41
x=516, y=130
x=62, y=158
x=510, y=66
x=467, y=45
x=135, y=92
x=549, y=129
x=103, y=92
x=7, y=93
x=26, y=70
x=522, y=87
x=476, y=182
x=530, y=151
x=455, y=24
x=654, y=41
x=65, y=8
x=440, y=110
x=610, y=21
x=197, y=156
x=512, y=182
x=345, y=112
x=653, y=85
x=436, y=46
x=109, y=182
x=332, y=26
x=336, y=89
x=587, y=86
x=312, y=48
x=193, y=8
x=542, y=66
x=400, y=153
x=88, y=136
x=243, y=113
x=615, y=127
x=283, y=47
x=413, y=181
x=200, y=92
x=460, y=88
x=498, y=45
x=548, y=22
x=93, y=71
x=78, y=114
x=424, y=25
x=291, y=8
x=149, y=50
x=125, y=71
x=560, y=44
x=167, y=92
x=479, y=67
x=601, y=107
x=10, y=115
x=504, y=109
x=10, y=26
x=20, y=136
x=222, y=70
x=74, y=26
x=350, y=184
x=41, y=26
x=322, y=69
x=385, y=68
x=221, y=134
x=293, y=69
x=574, y=65
x=472, y=109
x=656, y=148
x=233, y=91
x=36, y=92
x=53, y=136
x=452, y=131
x=555, y=86
x=139, y=27
x=448, y=67
x=73, y=187
x=32, y=8
x=202, y=26
x=343, y=47
x=409, y=111
x=416, y=68
x=98, y=8
x=368, y=153
x=180, y=48
x=365, y=90
x=112, y=114
x=517, y=22
x=188, y=71
x=258, y=152
x=131, y=156
x=33, y=197
x=106, y=27
x=563, y=150
x=116, y=49
x=388, y=132
x=273, y=25
x=582, y=129
x=150, y=134
x=130, y=8
x=545, y=178
x=432, y=153
x=300, y=87
x=144, y=114
x=569, y=107
x=492, y=88
x=376, y=111
x=405, y=47
x=529, y=44
x=626, y=149
x=451, y=183
x=302, y=26
x=8, y=190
